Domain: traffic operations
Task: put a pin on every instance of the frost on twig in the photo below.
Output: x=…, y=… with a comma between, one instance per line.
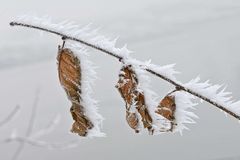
x=217, y=93
x=71, y=29
x=33, y=139
x=180, y=103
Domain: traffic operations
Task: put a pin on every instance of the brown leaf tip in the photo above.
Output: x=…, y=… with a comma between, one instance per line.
x=132, y=121
x=81, y=123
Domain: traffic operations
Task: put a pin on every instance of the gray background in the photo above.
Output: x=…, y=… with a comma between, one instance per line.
x=201, y=36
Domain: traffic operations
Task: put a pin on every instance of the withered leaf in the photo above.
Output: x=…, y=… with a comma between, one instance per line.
x=69, y=72
x=167, y=108
x=128, y=88
x=82, y=124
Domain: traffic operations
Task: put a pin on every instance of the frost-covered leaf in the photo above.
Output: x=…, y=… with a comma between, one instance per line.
x=72, y=78
x=134, y=98
x=177, y=107
x=167, y=108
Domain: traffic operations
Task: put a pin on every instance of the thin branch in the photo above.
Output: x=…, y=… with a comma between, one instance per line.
x=43, y=144
x=67, y=37
x=30, y=137
x=48, y=129
x=177, y=85
x=33, y=114
x=10, y=116
x=30, y=127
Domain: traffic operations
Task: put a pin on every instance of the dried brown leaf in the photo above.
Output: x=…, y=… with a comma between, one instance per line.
x=82, y=124
x=128, y=88
x=167, y=108
x=69, y=71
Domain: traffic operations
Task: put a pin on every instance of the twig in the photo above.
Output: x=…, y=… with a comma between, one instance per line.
x=30, y=137
x=10, y=116
x=48, y=129
x=31, y=140
x=67, y=37
x=177, y=85
x=43, y=144
x=30, y=127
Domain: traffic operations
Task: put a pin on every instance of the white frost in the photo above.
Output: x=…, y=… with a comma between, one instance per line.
x=216, y=93
x=71, y=29
x=88, y=77
x=184, y=107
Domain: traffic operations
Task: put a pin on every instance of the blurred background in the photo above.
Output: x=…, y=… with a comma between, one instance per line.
x=202, y=37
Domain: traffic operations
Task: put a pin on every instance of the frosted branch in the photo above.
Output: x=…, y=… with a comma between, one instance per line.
x=212, y=94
